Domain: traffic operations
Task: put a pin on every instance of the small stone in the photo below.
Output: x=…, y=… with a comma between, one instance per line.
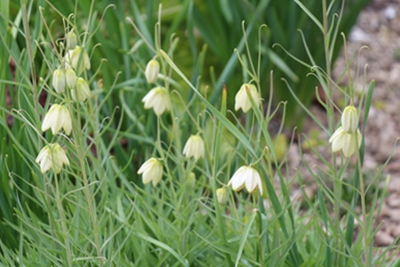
x=383, y=239
x=394, y=201
x=385, y=211
x=358, y=35
x=395, y=231
x=394, y=185
x=390, y=12
x=395, y=215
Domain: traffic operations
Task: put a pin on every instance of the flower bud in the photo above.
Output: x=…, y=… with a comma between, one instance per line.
x=71, y=40
x=222, y=195
x=82, y=91
x=70, y=78
x=59, y=80
x=350, y=119
x=152, y=70
x=191, y=182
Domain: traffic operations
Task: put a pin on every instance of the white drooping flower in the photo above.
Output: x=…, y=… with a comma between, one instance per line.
x=59, y=80
x=157, y=99
x=242, y=100
x=152, y=70
x=152, y=171
x=347, y=142
x=53, y=157
x=246, y=176
x=350, y=119
x=56, y=118
x=77, y=59
x=194, y=147
x=81, y=92
x=347, y=137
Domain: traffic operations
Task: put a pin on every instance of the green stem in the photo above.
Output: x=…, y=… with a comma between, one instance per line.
x=331, y=121
x=220, y=222
x=260, y=229
x=77, y=136
x=28, y=40
x=62, y=217
x=364, y=214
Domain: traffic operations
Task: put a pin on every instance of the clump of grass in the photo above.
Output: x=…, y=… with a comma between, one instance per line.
x=146, y=169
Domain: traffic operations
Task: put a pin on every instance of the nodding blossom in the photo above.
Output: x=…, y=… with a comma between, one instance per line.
x=246, y=176
x=347, y=137
x=56, y=118
x=242, y=100
x=157, y=99
x=53, y=157
x=194, y=147
x=152, y=171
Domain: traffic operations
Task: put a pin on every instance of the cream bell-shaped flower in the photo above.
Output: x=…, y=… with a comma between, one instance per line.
x=246, y=176
x=152, y=171
x=81, y=92
x=350, y=119
x=242, y=100
x=59, y=80
x=78, y=59
x=152, y=70
x=347, y=142
x=194, y=147
x=70, y=78
x=351, y=143
x=53, y=157
x=157, y=99
x=56, y=118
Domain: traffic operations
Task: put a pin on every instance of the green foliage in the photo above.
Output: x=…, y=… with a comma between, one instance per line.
x=98, y=212
x=284, y=20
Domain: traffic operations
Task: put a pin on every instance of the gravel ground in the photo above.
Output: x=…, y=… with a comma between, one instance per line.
x=378, y=28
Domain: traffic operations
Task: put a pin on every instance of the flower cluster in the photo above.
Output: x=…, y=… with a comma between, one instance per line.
x=152, y=169
x=347, y=137
x=58, y=118
x=158, y=99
